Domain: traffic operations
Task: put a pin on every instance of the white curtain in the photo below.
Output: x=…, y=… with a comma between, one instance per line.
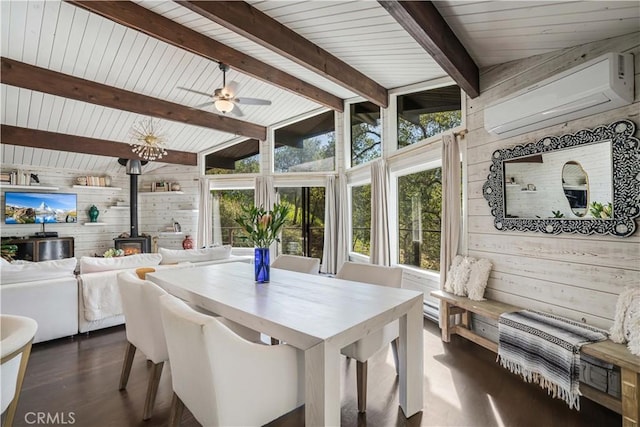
x=379, y=214
x=450, y=226
x=330, y=244
x=217, y=226
x=265, y=194
x=342, y=211
x=204, y=235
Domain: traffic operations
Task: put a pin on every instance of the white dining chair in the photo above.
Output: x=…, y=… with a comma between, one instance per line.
x=143, y=325
x=16, y=336
x=223, y=379
x=301, y=264
x=366, y=347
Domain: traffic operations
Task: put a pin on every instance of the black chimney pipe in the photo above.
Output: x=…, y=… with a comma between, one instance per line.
x=133, y=188
x=134, y=168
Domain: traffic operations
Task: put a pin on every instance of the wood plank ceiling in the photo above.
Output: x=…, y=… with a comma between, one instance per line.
x=65, y=38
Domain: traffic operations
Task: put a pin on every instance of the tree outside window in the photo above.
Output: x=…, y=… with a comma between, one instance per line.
x=361, y=219
x=306, y=146
x=424, y=114
x=419, y=219
x=366, y=132
x=227, y=205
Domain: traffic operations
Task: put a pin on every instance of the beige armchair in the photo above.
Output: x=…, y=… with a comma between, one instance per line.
x=363, y=349
x=16, y=336
x=223, y=379
x=301, y=264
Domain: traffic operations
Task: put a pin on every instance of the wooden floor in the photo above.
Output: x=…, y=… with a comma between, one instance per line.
x=76, y=381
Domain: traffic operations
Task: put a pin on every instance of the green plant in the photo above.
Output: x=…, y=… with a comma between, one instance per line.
x=112, y=252
x=9, y=251
x=557, y=214
x=599, y=210
x=262, y=227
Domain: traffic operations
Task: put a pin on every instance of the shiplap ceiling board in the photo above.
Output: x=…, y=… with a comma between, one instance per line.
x=68, y=39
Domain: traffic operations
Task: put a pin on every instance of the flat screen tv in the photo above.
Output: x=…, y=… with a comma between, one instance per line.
x=40, y=208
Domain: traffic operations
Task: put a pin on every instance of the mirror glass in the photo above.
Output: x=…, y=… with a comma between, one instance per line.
x=575, y=184
x=536, y=185
x=587, y=182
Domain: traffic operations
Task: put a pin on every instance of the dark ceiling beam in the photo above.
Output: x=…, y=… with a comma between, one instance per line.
x=23, y=137
x=140, y=19
x=27, y=76
x=422, y=20
x=258, y=27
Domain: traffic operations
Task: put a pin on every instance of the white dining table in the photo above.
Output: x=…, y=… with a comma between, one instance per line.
x=318, y=315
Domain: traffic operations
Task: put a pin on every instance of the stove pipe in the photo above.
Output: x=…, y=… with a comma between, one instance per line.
x=134, y=168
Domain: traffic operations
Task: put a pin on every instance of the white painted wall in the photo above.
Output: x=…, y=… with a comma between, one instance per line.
x=575, y=276
x=154, y=212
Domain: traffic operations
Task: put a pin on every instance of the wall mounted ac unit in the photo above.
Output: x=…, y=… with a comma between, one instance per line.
x=598, y=85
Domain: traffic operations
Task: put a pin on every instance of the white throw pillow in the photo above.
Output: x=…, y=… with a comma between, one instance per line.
x=478, y=277
x=173, y=256
x=626, y=323
x=451, y=274
x=32, y=271
x=94, y=264
x=468, y=276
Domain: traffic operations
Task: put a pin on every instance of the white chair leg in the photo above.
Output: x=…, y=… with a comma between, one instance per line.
x=177, y=407
x=152, y=390
x=361, y=382
x=126, y=365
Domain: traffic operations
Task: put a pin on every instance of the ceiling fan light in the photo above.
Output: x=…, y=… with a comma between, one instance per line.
x=223, y=105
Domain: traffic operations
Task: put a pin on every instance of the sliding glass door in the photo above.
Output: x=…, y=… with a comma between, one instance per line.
x=303, y=234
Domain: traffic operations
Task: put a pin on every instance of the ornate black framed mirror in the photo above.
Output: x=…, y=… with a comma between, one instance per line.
x=586, y=183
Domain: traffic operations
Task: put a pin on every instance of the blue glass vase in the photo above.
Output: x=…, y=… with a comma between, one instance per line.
x=261, y=265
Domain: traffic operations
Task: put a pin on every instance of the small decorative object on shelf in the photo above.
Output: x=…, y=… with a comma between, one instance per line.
x=112, y=252
x=175, y=187
x=93, y=213
x=187, y=243
x=262, y=228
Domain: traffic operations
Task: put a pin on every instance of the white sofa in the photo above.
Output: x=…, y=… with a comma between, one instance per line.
x=98, y=296
x=45, y=291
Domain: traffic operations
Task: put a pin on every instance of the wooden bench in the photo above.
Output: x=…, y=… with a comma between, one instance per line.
x=617, y=354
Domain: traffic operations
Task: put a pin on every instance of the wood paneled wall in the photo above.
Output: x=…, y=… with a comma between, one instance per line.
x=575, y=276
x=155, y=212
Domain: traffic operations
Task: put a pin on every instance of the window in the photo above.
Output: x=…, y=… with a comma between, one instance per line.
x=428, y=113
x=366, y=132
x=361, y=219
x=243, y=157
x=303, y=234
x=306, y=146
x=226, y=207
x=419, y=215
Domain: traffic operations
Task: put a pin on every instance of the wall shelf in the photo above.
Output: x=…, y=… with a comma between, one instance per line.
x=159, y=193
x=27, y=187
x=94, y=223
x=171, y=233
x=95, y=187
x=119, y=207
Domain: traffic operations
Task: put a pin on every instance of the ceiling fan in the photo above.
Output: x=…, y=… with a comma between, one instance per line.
x=224, y=98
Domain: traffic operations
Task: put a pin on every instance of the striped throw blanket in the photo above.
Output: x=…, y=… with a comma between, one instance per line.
x=545, y=349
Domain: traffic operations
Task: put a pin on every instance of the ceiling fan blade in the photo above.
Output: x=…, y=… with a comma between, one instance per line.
x=252, y=101
x=236, y=110
x=193, y=91
x=230, y=89
x=206, y=104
